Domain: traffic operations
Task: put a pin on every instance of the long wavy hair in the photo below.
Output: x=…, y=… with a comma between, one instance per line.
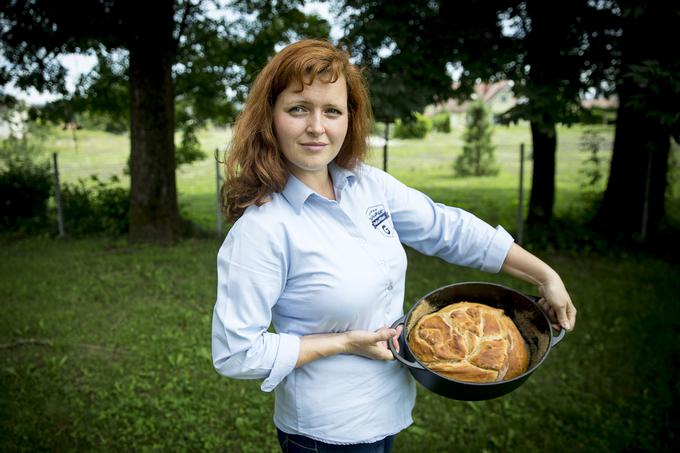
x=254, y=165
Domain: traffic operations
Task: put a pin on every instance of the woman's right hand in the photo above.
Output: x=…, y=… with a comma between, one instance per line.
x=372, y=345
x=359, y=342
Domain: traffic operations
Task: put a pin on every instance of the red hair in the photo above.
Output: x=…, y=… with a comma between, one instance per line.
x=254, y=165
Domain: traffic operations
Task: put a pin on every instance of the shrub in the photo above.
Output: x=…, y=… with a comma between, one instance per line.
x=189, y=149
x=478, y=152
x=441, y=122
x=591, y=142
x=101, y=208
x=25, y=188
x=378, y=129
x=598, y=115
x=415, y=126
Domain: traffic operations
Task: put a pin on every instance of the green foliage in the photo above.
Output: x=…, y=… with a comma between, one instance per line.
x=25, y=176
x=378, y=129
x=591, y=143
x=598, y=116
x=441, y=122
x=414, y=126
x=477, y=158
x=100, y=207
x=404, y=59
x=25, y=188
x=189, y=149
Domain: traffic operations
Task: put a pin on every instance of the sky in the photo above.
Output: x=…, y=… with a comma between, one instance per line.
x=77, y=64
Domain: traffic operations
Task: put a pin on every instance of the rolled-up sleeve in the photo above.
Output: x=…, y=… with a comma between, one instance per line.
x=251, y=272
x=452, y=234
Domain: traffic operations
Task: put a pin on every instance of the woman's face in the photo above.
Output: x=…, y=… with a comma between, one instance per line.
x=311, y=126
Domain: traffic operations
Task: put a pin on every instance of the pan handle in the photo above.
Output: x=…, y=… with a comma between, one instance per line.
x=557, y=338
x=554, y=339
x=394, y=352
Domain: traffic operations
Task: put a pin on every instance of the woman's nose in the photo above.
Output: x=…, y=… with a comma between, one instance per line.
x=315, y=124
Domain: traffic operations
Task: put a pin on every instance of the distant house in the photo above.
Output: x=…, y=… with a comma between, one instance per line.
x=609, y=103
x=497, y=96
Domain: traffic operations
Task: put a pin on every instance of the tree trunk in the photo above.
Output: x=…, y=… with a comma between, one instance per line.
x=542, y=199
x=154, y=214
x=633, y=202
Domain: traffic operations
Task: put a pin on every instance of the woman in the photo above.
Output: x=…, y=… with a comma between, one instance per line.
x=316, y=249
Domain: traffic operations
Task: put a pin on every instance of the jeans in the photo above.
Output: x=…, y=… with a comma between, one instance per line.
x=293, y=443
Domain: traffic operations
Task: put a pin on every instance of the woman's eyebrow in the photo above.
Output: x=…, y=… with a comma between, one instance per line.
x=302, y=100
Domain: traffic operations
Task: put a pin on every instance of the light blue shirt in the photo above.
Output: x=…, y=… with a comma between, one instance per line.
x=312, y=265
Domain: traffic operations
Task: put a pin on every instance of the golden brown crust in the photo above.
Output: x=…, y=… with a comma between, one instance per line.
x=470, y=342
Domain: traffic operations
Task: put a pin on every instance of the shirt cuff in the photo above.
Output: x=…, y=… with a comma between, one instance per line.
x=284, y=363
x=497, y=251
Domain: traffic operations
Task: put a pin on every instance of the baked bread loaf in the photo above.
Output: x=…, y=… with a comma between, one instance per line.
x=470, y=342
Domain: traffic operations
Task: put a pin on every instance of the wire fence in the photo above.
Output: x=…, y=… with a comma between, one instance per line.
x=199, y=183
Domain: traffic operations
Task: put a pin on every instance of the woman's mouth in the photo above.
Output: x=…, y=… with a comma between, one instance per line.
x=313, y=146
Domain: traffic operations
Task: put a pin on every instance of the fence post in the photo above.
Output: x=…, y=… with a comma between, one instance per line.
x=520, y=204
x=57, y=195
x=645, y=203
x=387, y=137
x=218, y=180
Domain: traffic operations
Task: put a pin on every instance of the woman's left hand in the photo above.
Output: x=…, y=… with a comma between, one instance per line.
x=557, y=304
x=555, y=299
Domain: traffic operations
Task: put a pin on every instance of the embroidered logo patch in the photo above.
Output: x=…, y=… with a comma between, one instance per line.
x=378, y=217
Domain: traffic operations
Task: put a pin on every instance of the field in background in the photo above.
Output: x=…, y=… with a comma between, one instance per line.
x=426, y=164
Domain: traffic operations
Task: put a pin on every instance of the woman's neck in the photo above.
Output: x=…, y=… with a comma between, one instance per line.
x=321, y=183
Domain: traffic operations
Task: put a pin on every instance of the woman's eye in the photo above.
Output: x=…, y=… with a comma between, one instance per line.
x=333, y=111
x=296, y=109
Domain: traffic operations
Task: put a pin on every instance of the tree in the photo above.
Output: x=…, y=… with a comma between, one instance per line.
x=170, y=45
x=390, y=40
x=552, y=56
x=559, y=56
x=647, y=118
x=477, y=158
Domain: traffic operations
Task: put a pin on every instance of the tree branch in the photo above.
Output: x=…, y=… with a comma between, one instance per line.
x=183, y=22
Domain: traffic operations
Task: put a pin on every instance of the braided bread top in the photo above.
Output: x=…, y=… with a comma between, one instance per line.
x=472, y=342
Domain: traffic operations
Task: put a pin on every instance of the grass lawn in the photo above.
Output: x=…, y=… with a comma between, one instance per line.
x=106, y=346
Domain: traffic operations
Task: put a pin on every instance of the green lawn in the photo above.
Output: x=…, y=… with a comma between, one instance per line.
x=106, y=346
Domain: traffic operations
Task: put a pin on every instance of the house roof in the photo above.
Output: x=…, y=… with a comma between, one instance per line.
x=484, y=91
x=488, y=92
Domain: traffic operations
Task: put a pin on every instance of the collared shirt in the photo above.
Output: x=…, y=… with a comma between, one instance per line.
x=308, y=265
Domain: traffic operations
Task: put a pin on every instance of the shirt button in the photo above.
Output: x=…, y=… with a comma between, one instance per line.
x=382, y=263
x=390, y=287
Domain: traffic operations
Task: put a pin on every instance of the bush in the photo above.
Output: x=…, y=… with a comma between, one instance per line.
x=25, y=188
x=416, y=126
x=598, y=115
x=477, y=158
x=189, y=149
x=441, y=122
x=101, y=208
x=378, y=129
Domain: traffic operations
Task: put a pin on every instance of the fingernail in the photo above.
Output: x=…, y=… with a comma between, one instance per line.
x=566, y=325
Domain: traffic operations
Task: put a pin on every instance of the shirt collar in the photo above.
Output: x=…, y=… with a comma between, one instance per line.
x=297, y=192
x=341, y=176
